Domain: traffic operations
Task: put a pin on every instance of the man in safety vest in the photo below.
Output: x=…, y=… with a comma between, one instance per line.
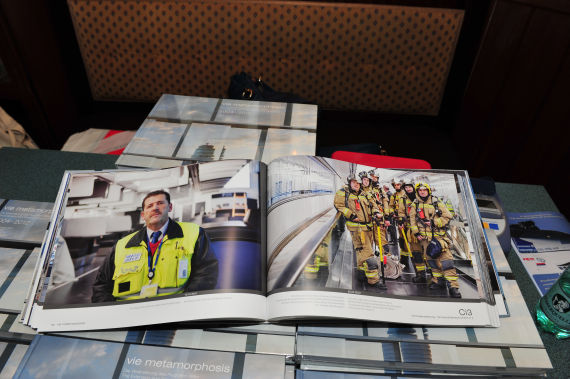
x=165, y=257
x=429, y=219
x=359, y=212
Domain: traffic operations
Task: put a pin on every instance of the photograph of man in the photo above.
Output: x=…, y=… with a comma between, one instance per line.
x=165, y=257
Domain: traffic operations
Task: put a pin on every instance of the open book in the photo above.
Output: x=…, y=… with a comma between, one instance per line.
x=279, y=247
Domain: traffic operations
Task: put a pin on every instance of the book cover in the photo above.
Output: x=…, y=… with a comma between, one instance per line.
x=72, y=358
x=23, y=224
x=184, y=129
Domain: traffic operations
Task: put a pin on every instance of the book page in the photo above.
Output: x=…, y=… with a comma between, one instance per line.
x=209, y=264
x=348, y=253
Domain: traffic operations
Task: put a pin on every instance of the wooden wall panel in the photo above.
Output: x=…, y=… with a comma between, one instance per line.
x=544, y=145
x=514, y=119
x=532, y=74
x=494, y=61
x=34, y=55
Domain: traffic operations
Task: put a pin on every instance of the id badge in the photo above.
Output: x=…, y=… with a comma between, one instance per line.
x=183, y=268
x=149, y=290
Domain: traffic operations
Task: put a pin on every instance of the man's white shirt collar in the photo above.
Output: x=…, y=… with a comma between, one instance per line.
x=163, y=230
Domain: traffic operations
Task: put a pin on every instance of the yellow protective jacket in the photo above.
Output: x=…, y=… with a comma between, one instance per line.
x=381, y=201
x=404, y=207
x=395, y=201
x=428, y=208
x=185, y=263
x=355, y=206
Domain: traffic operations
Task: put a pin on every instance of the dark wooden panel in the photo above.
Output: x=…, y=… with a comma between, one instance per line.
x=553, y=5
x=494, y=61
x=528, y=82
x=17, y=96
x=543, y=150
x=32, y=31
x=474, y=24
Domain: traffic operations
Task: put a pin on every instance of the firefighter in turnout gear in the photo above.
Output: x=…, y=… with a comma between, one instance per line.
x=375, y=197
x=413, y=244
x=319, y=259
x=429, y=219
x=396, y=196
x=379, y=196
x=359, y=213
x=397, y=219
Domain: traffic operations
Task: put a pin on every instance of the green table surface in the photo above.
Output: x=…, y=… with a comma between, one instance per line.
x=35, y=175
x=534, y=198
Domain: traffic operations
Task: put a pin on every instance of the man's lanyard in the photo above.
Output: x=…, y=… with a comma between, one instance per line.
x=151, y=266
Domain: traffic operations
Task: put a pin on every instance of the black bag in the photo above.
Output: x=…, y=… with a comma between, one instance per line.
x=244, y=87
x=434, y=249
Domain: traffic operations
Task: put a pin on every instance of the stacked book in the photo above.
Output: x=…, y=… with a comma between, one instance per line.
x=184, y=129
x=287, y=298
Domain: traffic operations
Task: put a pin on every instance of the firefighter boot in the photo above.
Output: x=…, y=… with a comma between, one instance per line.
x=454, y=292
x=379, y=286
x=372, y=266
x=420, y=277
x=439, y=285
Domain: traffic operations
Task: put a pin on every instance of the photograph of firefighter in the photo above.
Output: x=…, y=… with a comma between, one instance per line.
x=344, y=226
x=361, y=217
x=412, y=244
x=429, y=219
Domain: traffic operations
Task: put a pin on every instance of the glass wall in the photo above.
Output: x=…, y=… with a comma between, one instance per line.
x=297, y=176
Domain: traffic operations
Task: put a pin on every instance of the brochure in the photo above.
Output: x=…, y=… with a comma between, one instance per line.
x=12, y=353
x=270, y=244
x=23, y=224
x=184, y=129
x=400, y=349
x=64, y=357
x=542, y=243
x=16, y=272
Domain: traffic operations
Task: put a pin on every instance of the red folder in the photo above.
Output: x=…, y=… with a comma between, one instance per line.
x=380, y=161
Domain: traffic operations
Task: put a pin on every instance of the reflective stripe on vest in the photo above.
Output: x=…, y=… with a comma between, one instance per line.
x=171, y=274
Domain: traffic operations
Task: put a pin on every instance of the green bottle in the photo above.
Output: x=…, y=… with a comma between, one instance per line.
x=553, y=309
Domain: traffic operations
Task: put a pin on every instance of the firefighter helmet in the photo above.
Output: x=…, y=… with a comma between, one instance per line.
x=394, y=182
x=350, y=178
x=363, y=174
x=420, y=185
x=372, y=173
